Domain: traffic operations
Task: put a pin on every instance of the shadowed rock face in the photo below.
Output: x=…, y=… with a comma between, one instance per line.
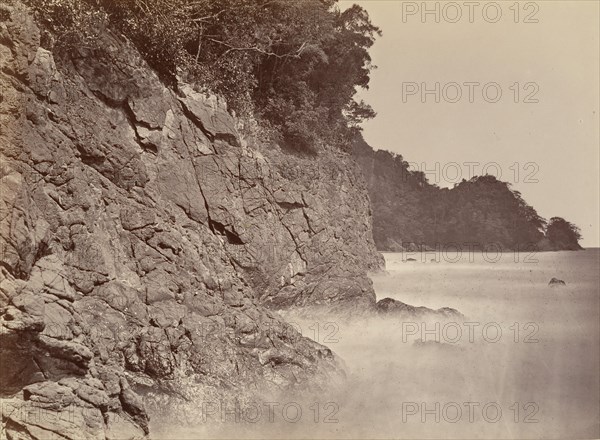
x=143, y=241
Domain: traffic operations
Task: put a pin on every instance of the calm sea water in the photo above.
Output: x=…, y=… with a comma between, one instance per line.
x=525, y=362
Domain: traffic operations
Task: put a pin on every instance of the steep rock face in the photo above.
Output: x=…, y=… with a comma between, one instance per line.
x=142, y=238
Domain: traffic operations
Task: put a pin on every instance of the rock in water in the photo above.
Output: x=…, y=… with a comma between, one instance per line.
x=390, y=306
x=554, y=282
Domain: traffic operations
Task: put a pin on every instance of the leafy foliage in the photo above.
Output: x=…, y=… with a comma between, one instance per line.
x=563, y=234
x=295, y=64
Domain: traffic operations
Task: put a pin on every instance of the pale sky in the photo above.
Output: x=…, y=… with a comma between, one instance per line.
x=555, y=141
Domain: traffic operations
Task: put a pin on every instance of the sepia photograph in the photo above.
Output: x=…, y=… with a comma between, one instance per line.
x=299, y=219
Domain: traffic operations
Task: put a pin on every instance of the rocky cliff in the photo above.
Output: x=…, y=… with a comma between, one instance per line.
x=145, y=241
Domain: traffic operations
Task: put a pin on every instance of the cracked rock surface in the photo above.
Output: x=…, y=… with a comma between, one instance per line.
x=145, y=244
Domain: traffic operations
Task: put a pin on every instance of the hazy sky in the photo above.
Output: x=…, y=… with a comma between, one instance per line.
x=548, y=150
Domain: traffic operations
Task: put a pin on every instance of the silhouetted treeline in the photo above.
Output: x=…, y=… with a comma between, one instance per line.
x=409, y=212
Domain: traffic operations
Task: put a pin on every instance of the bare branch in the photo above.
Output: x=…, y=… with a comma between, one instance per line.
x=293, y=54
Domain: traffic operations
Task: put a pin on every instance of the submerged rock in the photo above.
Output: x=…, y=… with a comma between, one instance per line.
x=420, y=343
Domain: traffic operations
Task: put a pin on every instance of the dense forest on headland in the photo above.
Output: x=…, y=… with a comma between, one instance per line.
x=409, y=212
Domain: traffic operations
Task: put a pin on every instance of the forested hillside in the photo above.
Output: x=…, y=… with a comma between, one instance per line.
x=409, y=212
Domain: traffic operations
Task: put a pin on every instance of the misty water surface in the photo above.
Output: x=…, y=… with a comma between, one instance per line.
x=525, y=366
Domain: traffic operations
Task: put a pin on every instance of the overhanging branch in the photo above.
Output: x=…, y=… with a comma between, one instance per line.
x=293, y=54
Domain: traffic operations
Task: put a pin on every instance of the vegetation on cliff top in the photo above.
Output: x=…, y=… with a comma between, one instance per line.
x=295, y=65
x=483, y=211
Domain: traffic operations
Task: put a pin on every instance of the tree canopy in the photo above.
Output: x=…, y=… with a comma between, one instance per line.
x=563, y=234
x=295, y=65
